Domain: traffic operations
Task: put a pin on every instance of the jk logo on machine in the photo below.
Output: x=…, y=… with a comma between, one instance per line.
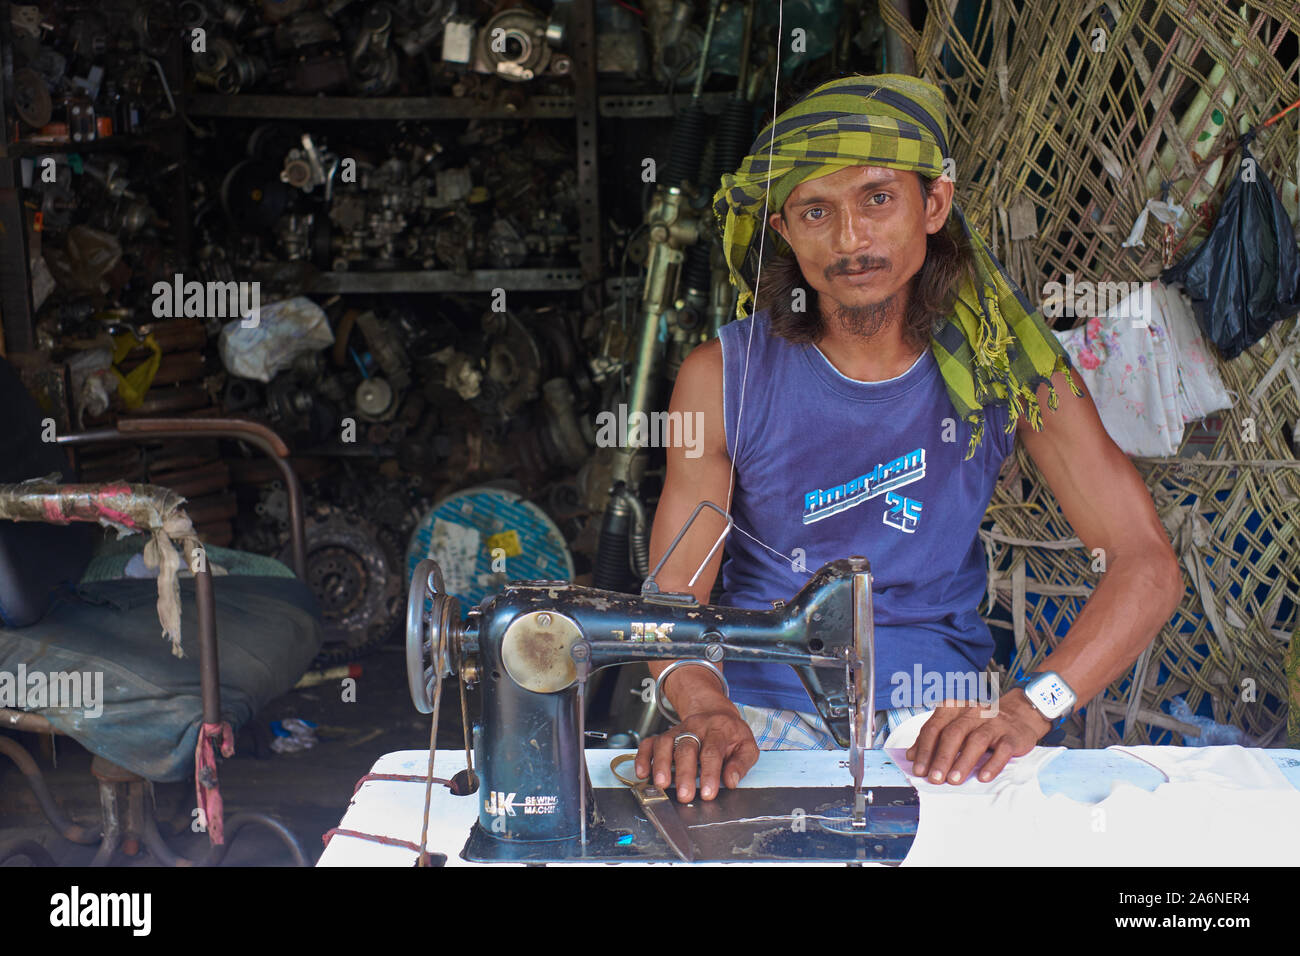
x=499, y=804
x=649, y=631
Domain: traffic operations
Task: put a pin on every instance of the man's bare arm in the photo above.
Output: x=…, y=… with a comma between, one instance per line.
x=690, y=480
x=727, y=749
x=1110, y=508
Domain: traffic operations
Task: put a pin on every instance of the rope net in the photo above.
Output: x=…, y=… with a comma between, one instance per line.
x=1066, y=119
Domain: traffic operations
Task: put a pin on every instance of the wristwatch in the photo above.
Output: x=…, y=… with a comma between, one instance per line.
x=1050, y=695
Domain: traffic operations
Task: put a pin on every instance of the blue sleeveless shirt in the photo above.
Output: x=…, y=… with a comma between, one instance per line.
x=826, y=467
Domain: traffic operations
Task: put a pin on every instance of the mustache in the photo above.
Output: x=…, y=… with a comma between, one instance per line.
x=846, y=265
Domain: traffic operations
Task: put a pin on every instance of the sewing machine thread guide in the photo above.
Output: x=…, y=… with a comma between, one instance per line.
x=649, y=585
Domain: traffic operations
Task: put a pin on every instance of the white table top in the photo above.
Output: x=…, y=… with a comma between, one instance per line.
x=1121, y=806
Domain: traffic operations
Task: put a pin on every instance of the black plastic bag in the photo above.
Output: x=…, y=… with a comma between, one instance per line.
x=1246, y=275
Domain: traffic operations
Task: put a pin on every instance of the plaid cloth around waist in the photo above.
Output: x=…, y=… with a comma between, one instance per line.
x=776, y=729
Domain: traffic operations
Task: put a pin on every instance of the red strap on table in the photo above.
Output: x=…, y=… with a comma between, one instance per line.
x=407, y=777
x=373, y=837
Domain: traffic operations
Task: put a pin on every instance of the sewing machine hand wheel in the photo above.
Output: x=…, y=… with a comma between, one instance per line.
x=427, y=651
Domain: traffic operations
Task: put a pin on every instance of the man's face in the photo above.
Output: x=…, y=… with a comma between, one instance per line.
x=859, y=234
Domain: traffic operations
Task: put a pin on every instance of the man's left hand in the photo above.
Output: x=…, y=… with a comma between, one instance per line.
x=958, y=733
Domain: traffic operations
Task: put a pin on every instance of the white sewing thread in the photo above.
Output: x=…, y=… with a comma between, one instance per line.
x=758, y=278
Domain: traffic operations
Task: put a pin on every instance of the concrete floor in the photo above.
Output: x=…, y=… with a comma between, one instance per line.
x=308, y=791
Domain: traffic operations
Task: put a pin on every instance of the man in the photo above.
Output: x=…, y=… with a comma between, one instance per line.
x=866, y=408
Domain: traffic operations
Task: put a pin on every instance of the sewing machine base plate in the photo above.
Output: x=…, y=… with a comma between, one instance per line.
x=747, y=825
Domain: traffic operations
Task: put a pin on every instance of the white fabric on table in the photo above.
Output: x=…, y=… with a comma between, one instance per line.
x=1220, y=806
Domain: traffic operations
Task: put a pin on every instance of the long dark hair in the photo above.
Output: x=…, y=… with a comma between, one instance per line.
x=948, y=258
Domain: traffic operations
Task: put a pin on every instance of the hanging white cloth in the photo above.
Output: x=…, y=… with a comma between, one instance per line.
x=1148, y=369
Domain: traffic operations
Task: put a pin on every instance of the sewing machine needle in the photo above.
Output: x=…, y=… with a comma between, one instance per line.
x=863, y=689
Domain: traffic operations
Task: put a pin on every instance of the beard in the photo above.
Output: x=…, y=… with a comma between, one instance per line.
x=866, y=321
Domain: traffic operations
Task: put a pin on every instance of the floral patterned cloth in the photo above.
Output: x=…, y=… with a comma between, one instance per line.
x=1148, y=369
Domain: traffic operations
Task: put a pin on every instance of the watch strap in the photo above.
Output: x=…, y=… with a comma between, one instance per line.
x=1055, y=722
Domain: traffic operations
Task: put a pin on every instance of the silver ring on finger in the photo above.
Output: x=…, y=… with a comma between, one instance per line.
x=687, y=736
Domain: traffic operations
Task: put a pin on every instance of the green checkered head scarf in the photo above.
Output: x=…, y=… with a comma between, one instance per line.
x=995, y=347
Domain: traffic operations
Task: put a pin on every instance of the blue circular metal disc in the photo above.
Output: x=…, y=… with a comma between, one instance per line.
x=484, y=537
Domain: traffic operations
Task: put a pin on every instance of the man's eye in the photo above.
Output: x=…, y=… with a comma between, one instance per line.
x=809, y=215
x=879, y=196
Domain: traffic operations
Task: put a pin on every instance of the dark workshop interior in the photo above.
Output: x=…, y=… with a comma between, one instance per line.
x=453, y=233
x=297, y=294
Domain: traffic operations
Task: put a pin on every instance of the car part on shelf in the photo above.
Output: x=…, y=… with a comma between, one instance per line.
x=516, y=45
x=358, y=590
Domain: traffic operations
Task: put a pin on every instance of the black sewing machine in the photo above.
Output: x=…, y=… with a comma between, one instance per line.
x=531, y=649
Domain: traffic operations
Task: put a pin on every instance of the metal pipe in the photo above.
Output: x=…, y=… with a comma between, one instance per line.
x=209, y=673
x=256, y=434
x=746, y=38
x=625, y=652
x=29, y=722
x=37, y=854
x=112, y=817
x=157, y=846
x=241, y=820
x=135, y=807
x=106, y=849
x=703, y=70
x=638, y=537
x=32, y=773
x=583, y=669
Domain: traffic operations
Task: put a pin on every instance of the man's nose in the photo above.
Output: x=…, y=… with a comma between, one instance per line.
x=852, y=235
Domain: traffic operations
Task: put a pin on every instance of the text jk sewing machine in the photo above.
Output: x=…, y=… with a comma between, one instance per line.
x=531, y=649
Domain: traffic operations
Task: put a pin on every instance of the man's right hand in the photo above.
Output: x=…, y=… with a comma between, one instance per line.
x=727, y=748
x=727, y=752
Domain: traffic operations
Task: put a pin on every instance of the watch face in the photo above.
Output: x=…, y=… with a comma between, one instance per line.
x=1051, y=695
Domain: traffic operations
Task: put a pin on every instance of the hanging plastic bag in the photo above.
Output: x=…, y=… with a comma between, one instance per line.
x=283, y=331
x=1246, y=275
x=132, y=385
